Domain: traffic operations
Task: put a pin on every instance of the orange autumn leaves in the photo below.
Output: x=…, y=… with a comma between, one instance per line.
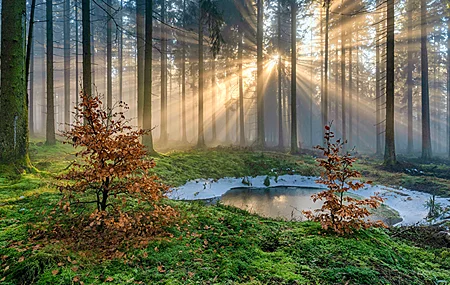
x=341, y=213
x=112, y=175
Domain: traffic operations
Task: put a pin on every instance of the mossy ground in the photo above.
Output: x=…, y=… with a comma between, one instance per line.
x=217, y=244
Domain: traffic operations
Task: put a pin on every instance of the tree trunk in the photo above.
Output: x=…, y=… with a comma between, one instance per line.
x=357, y=88
x=294, y=140
x=213, y=103
x=30, y=65
x=389, y=152
x=163, y=120
x=13, y=99
x=343, y=79
x=50, y=138
x=67, y=64
x=86, y=21
x=241, y=91
x=280, y=109
x=183, y=80
x=378, y=84
x=147, y=114
x=31, y=83
x=109, y=56
x=350, y=85
x=200, y=138
x=326, y=67
x=120, y=51
x=260, y=137
x=409, y=80
x=426, y=134
x=76, y=59
x=448, y=81
x=140, y=9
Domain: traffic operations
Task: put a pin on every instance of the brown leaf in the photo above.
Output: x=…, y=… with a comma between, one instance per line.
x=76, y=279
x=21, y=259
x=54, y=272
x=109, y=279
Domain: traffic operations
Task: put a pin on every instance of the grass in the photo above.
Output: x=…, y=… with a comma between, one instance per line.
x=215, y=244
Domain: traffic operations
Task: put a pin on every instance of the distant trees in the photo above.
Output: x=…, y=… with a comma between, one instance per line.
x=13, y=99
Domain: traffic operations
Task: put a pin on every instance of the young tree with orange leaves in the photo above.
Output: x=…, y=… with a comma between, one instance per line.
x=341, y=213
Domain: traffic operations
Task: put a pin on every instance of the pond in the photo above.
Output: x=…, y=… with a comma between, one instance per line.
x=288, y=203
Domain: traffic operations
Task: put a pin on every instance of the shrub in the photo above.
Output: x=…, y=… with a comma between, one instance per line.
x=112, y=174
x=341, y=213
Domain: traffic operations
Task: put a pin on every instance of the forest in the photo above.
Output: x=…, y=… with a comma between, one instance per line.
x=225, y=142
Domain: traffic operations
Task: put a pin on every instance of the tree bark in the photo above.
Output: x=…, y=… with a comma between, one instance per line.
x=66, y=63
x=426, y=134
x=378, y=84
x=183, y=80
x=409, y=80
x=200, y=138
x=294, y=139
x=86, y=22
x=109, y=103
x=260, y=136
x=50, y=138
x=241, y=91
x=280, y=109
x=163, y=120
x=326, y=67
x=389, y=152
x=13, y=99
x=140, y=34
x=147, y=114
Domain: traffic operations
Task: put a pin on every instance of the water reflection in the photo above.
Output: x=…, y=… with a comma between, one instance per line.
x=287, y=203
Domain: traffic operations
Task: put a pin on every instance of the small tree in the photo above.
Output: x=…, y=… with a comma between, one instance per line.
x=341, y=213
x=112, y=171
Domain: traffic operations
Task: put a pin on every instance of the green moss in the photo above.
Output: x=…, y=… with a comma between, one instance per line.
x=217, y=244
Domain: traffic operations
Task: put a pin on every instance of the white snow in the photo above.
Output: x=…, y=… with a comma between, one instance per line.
x=408, y=203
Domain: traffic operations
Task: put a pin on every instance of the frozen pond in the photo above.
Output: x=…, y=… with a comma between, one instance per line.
x=295, y=196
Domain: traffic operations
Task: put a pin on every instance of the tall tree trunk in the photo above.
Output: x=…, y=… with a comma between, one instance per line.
x=76, y=59
x=140, y=35
x=378, y=83
x=66, y=63
x=201, y=138
x=350, y=84
x=13, y=99
x=241, y=91
x=294, y=140
x=147, y=115
x=213, y=103
x=86, y=21
x=163, y=120
x=31, y=96
x=120, y=51
x=326, y=67
x=389, y=152
x=357, y=88
x=280, y=109
x=183, y=81
x=109, y=56
x=426, y=134
x=448, y=81
x=50, y=138
x=30, y=65
x=409, y=80
x=343, y=78
x=260, y=136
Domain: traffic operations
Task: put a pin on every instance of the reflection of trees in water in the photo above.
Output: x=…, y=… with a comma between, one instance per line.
x=280, y=202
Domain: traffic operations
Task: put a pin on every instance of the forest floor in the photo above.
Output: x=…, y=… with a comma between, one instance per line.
x=219, y=244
